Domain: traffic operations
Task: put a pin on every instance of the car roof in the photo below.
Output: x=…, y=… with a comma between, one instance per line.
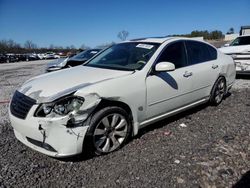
x=152, y=39
x=163, y=39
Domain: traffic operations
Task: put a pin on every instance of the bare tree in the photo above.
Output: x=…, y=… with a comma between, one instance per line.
x=29, y=45
x=123, y=35
x=231, y=30
x=84, y=47
x=51, y=46
x=72, y=47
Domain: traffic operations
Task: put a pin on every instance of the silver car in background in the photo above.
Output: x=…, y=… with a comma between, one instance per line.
x=73, y=61
x=239, y=49
x=122, y=89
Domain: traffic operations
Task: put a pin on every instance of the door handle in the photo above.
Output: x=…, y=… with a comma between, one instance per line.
x=187, y=74
x=215, y=66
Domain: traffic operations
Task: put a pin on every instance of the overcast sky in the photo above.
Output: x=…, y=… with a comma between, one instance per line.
x=96, y=22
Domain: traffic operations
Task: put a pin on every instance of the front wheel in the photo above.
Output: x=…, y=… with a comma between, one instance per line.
x=218, y=91
x=109, y=129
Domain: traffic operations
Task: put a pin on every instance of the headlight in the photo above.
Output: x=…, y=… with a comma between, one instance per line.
x=61, y=107
x=234, y=56
x=63, y=63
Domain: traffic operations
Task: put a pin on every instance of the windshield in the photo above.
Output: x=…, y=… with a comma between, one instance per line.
x=125, y=56
x=241, y=41
x=86, y=54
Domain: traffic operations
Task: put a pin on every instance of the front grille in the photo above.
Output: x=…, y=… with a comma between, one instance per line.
x=41, y=144
x=21, y=105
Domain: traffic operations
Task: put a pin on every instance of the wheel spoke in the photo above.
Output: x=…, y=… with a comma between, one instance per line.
x=106, y=147
x=99, y=132
x=222, y=85
x=105, y=122
x=218, y=98
x=121, y=124
x=115, y=142
x=101, y=141
x=114, y=120
x=217, y=92
x=120, y=133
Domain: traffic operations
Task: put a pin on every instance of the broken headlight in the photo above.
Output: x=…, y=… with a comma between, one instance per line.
x=61, y=107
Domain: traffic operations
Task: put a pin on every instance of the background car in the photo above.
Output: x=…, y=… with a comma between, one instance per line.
x=41, y=56
x=28, y=57
x=51, y=55
x=239, y=49
x=3, y=58
x=11, y=58
x=73, y=61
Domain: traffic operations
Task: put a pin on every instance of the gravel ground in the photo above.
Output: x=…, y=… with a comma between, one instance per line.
x=204, y=147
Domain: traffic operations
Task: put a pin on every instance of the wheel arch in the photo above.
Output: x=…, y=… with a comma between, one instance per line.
x=223, y=75
x=107, y=102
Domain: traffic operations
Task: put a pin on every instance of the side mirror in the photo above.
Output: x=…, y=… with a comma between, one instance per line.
x=164, y=66
x=226, y=45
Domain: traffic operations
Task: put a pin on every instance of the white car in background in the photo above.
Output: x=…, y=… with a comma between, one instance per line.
x=41, y=56
x=51, y=55
x=239, y=49
x=122, y=89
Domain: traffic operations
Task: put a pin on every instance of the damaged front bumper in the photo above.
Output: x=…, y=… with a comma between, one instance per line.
x=49, y=135
x=242, y=67
x=242, y=62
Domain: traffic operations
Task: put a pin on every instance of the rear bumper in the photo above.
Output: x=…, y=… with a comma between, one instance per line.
x=49, y=136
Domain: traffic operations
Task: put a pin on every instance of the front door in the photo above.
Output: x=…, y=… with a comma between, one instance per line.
x=167, y=91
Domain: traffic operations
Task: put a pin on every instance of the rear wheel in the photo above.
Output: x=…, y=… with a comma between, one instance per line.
x=218, y=91
x=109, y=130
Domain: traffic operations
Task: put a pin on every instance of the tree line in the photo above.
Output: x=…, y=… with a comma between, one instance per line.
x=10, y=46
x=207, y=35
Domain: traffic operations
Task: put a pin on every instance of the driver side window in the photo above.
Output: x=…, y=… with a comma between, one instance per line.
x=174, y=53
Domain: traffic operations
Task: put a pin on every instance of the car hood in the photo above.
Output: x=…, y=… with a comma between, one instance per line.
x=51, y=86
x=235, y=49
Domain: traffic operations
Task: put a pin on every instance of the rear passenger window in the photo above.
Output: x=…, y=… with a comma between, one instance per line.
x=199, y=52
x=174, y=53
x=212, y=52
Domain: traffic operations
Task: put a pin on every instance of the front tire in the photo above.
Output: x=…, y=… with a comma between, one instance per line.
x=109, y=130
x=218, y=91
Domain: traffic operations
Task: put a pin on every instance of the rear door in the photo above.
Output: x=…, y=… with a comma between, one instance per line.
x=202, y=60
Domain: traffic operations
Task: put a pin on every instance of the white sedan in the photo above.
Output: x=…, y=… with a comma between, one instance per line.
x=108, y=99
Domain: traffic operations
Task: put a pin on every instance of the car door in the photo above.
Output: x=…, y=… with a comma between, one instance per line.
x=167, y=91
x=203, y=63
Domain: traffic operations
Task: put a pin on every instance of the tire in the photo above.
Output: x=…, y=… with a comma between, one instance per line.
x=109, y=130
x=218, y=92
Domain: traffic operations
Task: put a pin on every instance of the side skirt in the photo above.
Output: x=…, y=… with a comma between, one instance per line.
x=171, y=113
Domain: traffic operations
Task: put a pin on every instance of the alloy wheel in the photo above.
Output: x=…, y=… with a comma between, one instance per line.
x=110, y=132
x=220, y=91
